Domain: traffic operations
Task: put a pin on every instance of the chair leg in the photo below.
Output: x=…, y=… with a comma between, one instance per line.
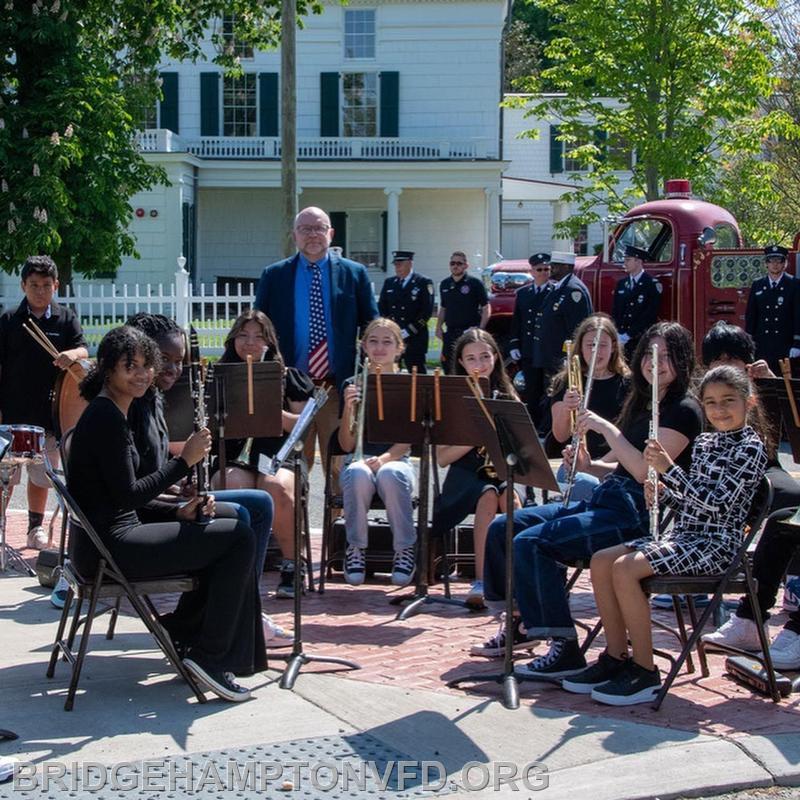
x=700, y=652
x=112, y=622
x=591, y=636
x=59, y=641
x=84, y=645
x=76, y=620
x=324, y=569
x=681, y=622
x=762, y=635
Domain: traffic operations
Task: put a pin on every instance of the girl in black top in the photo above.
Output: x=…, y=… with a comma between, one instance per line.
x=224, y=637
x=253, y=334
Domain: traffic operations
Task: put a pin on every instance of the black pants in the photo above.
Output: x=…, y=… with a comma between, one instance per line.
x=537, y=380
x=221, y=620
x=414, y=356
x=448, y=342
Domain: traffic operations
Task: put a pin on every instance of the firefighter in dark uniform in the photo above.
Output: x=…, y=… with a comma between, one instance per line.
x=772, y=317
x=407, y=298
x=636, y=300
x=463, y=304
x=526, y=325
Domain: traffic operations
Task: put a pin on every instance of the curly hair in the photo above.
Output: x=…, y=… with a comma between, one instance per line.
x=156, y=326
x=120, y=343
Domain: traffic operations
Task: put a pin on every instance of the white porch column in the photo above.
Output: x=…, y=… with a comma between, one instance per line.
x=561, y=211
x=392, y=219
x=492, y=224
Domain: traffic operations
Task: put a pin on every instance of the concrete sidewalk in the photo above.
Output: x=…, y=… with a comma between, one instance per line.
x=132, y=707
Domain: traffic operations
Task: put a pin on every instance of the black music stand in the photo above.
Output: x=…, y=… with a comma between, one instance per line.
x=423, y=428
x=514, y=447
x=229, y=411
x=298, y=659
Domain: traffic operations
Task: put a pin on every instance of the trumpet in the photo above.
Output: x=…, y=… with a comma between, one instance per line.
x=575, y=381
x=360, y=410
x=652, y=475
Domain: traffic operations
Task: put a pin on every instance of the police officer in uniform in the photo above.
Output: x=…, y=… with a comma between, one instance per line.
x=526, y=325
x=773, y=311
x=463, y=304
x=636, y=300
x=407, y=298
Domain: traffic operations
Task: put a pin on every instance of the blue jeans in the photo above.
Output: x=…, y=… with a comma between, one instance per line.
x=394, y=483
x=254, y=508
x=583, y=486
x=547, y=537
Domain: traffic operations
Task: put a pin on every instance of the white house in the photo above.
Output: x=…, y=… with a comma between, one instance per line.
x=398, y=127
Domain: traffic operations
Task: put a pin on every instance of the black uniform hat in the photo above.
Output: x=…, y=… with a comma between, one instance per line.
x=636, y=252
x=402, y=255
x=539, y=258
x=775, y=251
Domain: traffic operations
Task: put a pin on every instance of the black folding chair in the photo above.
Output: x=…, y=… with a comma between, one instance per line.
x=108, y=583
x=738, y=578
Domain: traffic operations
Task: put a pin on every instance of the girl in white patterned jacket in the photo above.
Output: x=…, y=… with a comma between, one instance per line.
x=711, y=504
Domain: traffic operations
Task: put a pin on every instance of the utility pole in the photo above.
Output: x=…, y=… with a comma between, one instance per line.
x=288, y=122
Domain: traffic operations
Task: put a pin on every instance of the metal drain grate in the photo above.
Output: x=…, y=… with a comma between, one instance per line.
x=353, y=767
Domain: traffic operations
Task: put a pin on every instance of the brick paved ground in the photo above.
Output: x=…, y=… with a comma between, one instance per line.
x=431, y=648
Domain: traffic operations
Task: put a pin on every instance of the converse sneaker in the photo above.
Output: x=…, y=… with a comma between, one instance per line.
x=58, y=597
x=37, y=538
x=355, y=565
x=286, y=584
x=785, y=650
x=402, y=566
x=562, y=660
x=791, y=593
x=633, y=684
x=736, y=632
x=604, y=669
x=474, y=598
x=274, y=635
x=221, y=684
x=496, y=646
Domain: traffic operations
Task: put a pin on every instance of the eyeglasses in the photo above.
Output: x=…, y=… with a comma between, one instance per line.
x=457, y=263
x=307, y=230
x=541, y=269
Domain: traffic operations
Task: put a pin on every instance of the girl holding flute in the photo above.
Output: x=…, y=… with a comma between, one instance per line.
x=378, y=467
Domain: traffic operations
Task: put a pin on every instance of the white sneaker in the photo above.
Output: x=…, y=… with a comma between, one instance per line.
x=474, y=598
x=274, y=634
x=736, y=632
x=791, y=593
x=58, y=597
x=785, y=650
x=37, y=538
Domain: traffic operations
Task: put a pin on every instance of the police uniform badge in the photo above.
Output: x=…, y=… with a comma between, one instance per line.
x=780, y=299
x=415, y=292
x=640, y=298
x=430, y=288
x=465, y=290
x=760, y=291
x=659, y=287
x=576, y=296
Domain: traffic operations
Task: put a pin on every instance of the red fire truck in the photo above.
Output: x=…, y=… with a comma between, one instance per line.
x=695, y=250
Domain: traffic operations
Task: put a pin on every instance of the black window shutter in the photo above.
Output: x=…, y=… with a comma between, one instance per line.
x=601, y=142
x=556, y=151
x=390, y=104
x=268, y=104
x=168, y=113
x=339, y=225
x=209, y=103
x=329, y=104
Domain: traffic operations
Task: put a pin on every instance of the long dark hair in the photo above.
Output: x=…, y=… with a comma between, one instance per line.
x=680, y=351
x=498, y=380
x=273, y=352
x=118, y=344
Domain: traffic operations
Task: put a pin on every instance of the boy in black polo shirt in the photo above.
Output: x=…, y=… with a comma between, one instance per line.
x=28, y=373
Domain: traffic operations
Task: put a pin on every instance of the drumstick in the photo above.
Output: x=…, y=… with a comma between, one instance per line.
x=45, y=343
x=379, y=390
x=786, y=371
x=250, y=409
x=437, y=394
x=413, y=394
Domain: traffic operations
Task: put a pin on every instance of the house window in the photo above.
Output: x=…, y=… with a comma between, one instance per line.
x=239, y=105
x=620, y=153
x=359, y=33
x=150, y=117
x=581, y=245
x=232, y=47
x=360, y=104
x=364, y=238
x=575, y=164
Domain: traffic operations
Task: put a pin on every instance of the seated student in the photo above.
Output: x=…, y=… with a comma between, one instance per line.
x=711, y=501
x=28, y=373
x=151, y=437
x=472, y=485
x=253, y=334
x=609, y=387
x=225, y=637
x=385, y=469
x=551, y=535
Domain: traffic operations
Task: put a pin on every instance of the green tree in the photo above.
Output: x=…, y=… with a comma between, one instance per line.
x=678, y=82
x=526, y=37
x=75, y=78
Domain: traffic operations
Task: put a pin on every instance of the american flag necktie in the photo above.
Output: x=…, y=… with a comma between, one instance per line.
x=318, y=366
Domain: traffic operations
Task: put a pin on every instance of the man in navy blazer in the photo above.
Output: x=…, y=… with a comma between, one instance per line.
x=283, y=295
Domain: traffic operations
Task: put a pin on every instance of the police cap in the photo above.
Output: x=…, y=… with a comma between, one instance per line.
x=635, y=252
x=539, y=258
x=776, y=251
x=402, y=255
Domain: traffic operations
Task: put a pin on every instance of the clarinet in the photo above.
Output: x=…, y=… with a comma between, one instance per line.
x=202, y=468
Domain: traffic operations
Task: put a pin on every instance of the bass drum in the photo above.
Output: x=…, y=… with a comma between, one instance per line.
x=68, y=405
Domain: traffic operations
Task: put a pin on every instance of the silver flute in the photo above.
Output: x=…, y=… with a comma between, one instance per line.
x=652, y=474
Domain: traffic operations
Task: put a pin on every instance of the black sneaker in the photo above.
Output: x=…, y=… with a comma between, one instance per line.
x=221, y=683
x=355, y=565
x=403, y=566
x=496, y=646
x=634, y=684
x=286, y=584
x=563, y=660
x=604, y=669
